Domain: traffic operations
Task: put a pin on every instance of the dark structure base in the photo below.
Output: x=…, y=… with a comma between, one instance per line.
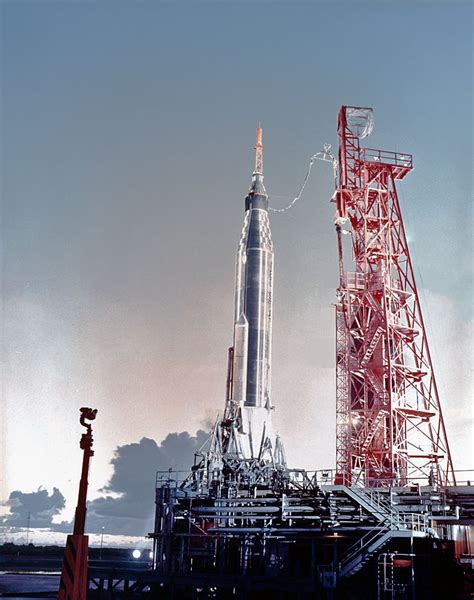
x=294, y=539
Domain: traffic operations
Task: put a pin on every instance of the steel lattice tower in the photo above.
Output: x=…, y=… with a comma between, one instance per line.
x=390, y=428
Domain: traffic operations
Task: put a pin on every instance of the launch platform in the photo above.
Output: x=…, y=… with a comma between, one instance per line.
x=394, y=519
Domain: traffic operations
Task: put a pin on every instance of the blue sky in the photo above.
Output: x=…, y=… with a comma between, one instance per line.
x=127, y=133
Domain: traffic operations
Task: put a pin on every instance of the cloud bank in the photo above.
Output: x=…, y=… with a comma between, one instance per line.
x=36, y=509
x=127, y=507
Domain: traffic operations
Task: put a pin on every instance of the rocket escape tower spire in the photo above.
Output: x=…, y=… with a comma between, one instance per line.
x=259, y=153
x=390, y=428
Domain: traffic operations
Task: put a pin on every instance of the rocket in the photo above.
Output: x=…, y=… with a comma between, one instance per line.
x=249, y=399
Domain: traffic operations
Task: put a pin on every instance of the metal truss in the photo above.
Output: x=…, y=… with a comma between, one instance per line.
x=390, y=428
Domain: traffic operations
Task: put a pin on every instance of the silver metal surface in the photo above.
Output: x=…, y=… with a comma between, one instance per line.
x=249, y=403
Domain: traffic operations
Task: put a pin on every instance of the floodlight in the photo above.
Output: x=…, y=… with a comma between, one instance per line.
x=360, y=121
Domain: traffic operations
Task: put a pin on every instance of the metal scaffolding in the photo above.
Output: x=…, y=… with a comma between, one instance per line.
x=390, y=428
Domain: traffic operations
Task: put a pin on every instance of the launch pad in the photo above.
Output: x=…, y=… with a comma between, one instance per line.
x=303, y=534
x=384, y=524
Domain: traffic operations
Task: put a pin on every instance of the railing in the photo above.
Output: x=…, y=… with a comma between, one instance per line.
x=464, y=477
x=375, y=499
x=414, y=522
x=355, y=280
x=296, y=478
x=399, y=520
x=172, y=478
x=405, y=521
x=323, y=477
x=392, y=521
x=357, y=549
x=386, y=157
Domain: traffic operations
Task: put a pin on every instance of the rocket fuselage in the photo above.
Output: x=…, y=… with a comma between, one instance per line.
x=253, y=303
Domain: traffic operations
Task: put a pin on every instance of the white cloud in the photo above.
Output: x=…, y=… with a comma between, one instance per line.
x=450, y=338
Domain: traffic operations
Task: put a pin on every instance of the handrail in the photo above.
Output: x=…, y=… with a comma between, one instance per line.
x=415, y=522
x=398, y=159
x=329, y=477
x=393, y=521
x=322, y=477
x=358, y=547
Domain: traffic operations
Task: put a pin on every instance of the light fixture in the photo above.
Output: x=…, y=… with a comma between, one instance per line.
x=360, y=121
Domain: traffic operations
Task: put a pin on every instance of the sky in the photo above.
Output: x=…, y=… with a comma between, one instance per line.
x=127, y=130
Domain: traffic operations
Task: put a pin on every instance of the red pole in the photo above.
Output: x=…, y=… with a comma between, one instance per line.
x=73, y=584
x=86, y=445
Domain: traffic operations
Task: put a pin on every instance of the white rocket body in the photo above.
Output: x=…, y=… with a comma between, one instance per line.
x=251, y=388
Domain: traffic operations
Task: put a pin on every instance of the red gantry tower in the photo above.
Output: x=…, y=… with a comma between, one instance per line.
x=390, y=428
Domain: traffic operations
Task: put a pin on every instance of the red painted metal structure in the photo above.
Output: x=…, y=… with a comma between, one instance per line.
x=390, y=428
x=73, y=584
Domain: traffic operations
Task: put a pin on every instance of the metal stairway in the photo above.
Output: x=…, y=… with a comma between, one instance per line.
x=373, y=421
x=392, y=524
x=371, y=347
x=372, y=501
x=361, y=552
x=376, y=385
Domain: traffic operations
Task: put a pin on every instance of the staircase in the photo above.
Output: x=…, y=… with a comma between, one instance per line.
x=371, y=347
x=392, y=524
x=376, y=385
x=369, y=545
x=373, y=423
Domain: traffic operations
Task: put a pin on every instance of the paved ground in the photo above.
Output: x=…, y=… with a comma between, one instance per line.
x=28, y=582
